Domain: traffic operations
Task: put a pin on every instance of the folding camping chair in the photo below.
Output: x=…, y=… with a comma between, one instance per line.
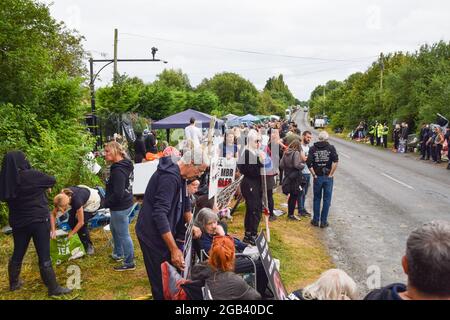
x=203, y=256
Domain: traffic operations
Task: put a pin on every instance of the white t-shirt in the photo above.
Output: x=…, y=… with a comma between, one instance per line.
x=194, y=134
x=306, y=151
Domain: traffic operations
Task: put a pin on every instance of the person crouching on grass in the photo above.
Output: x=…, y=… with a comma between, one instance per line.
x=83, y=202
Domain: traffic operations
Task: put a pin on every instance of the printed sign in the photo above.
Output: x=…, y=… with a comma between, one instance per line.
x=227, y=171
x=272, y=272
x=214, y=175
x=226, y=195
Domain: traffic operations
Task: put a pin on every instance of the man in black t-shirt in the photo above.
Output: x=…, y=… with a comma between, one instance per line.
x=322, y=162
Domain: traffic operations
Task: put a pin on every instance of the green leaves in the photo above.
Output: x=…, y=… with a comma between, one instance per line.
x=415, y=87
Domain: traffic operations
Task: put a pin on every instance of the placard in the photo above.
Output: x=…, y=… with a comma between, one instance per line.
x=142, y=174
x=227, y=172
x=275, y=282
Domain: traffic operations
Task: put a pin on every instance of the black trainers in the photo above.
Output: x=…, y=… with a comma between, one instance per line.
x=249, y=240
x=90, y=250
x=314, y=223
x=324, y=225
x=272, y=218
x=294, y=217
x=305, y=214
x=125, y=268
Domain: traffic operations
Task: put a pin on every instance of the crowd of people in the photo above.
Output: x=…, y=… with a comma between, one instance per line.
x=176, y=206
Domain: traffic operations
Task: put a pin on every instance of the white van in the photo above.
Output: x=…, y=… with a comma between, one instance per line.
x=319, y=123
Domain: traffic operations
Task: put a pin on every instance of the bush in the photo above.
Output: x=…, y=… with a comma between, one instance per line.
x=57, y=150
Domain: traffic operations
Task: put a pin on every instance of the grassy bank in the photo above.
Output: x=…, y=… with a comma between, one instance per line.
x=296, y=244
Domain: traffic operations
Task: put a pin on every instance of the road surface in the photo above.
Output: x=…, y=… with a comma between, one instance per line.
x=379, y=197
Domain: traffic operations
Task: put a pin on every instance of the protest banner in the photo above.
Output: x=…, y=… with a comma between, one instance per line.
x=225, y=196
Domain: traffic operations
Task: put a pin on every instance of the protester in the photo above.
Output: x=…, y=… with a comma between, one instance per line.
x=151, y=142
x=404, y=135
x=208, y=223
x=333, y=284
x=83, y=202
x=229, y=148
x=424, y=136
x=293, y=163
x=384, y=135
x=447, y=138
x=119, y=199
x=306, y=140
x=379, y=133
x=322, y=162
x=193, y=134
x=139, y=148
x=373, y=132
x=224, y=283
x=24, y=190
x=438, y=143
x=270, y=168
x=427, y=265
x=249, y=165
x=396, y=137
x=165, y=206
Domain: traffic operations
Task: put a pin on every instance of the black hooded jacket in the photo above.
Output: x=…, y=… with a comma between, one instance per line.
x=119, y=193
x=321, y=157
x=163, y=207
x=24, y=189
x=390, y=292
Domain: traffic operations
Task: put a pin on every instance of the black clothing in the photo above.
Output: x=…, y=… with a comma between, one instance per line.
x=79, y=198
x=30, y=204
x=299, y=295
x=150, y=143
x=13, y=163
x=139, y=150
x=119, y=193
x=83, y=232
x=163, y=207
x=396, y=138
x=390, y=292
x=321, y=156
x=40, y=233
x=153, y=263
x=251, y=187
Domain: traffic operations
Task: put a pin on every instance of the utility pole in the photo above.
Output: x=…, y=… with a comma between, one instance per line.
x=116, y=36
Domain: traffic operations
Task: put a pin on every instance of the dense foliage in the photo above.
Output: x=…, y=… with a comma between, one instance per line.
x=42, y=93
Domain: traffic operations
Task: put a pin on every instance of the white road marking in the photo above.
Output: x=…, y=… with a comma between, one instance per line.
x=345, y=155
x=398, y=181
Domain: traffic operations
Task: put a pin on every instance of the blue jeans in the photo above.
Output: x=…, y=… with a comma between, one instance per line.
x=123, y=245
x=322, y=184
x=302, y=198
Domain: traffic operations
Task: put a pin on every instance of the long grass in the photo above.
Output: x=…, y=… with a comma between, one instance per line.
x=296, y=244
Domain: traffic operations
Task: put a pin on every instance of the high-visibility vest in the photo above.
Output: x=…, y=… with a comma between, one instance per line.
x=380, y=130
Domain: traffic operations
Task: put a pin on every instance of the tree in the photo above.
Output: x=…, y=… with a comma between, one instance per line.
x=174, y=79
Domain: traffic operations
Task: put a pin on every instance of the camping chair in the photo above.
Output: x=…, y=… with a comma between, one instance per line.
x=203, y=256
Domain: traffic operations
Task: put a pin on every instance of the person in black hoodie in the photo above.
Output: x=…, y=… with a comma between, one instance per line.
x=24, y=190
x=322, y=162
x=427, y=264
x=166, y=205
x=139, y=148
x=250, y=164
x=119, y=199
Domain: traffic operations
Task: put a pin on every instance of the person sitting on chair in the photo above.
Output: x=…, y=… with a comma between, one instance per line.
x=207, y=221
x=223, y=282
x=83, y=202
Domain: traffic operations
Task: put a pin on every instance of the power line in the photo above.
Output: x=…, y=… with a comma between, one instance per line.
x=247, y=51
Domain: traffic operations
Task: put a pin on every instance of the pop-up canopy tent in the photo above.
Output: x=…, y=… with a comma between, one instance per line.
x=181, y=120
x=229, y=117
x=247, y=119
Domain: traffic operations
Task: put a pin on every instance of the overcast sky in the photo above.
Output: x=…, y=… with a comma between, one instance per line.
x=324, y=39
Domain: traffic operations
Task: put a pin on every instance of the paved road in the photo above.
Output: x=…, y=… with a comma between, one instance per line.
x=379, y=198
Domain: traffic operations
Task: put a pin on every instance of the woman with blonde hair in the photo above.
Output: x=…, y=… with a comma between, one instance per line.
x=119, y=199
x=224, y=284
x=83, y=202
x=334, y=284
